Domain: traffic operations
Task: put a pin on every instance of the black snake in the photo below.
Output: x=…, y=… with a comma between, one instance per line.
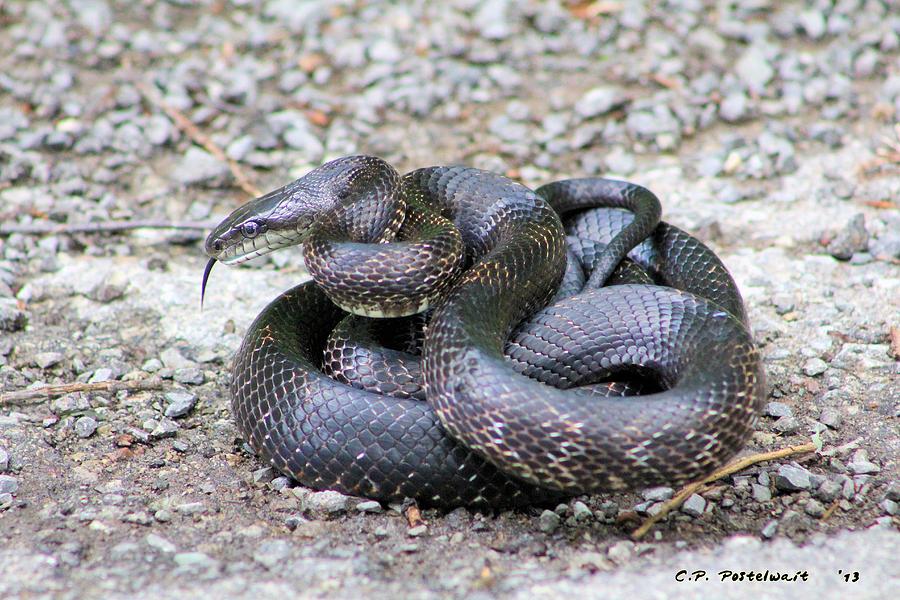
x=515, y=412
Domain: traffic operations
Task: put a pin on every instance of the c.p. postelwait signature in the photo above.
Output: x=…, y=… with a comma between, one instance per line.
x=728, y=575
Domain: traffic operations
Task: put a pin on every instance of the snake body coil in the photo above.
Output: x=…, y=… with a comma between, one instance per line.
x=486, y=253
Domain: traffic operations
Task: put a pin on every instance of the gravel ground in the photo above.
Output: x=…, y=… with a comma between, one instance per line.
x=767, y=128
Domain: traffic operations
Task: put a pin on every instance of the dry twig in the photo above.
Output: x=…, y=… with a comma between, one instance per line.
x=729, y=469
x=47, y=228
x=830, y=511
x=887, y=155
x=51, y=391
x=192, y=131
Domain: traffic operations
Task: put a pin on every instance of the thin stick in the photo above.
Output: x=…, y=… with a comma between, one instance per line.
x=50, y=391
x=827, y=514
x=45, y=228
x=729, y=469
x=192, y=131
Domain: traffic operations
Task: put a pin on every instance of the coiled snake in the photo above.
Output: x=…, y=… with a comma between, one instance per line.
x=515, y=412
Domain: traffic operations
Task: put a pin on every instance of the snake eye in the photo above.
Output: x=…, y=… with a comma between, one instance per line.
x=218, y=245
x=250, y=229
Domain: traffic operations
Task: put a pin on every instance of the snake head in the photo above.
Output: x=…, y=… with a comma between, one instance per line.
x=258, y=227
x=284, y=217
x=276, y=220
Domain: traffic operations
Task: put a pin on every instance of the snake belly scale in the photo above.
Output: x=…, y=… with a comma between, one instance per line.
x=523, y=400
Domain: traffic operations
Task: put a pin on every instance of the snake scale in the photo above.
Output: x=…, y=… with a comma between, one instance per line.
x=655, y=380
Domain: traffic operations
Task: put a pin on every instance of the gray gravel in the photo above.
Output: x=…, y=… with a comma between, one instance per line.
x=762, y=126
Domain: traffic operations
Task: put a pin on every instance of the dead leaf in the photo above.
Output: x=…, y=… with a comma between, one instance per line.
x=486, y=577
x=414, y=516
x=880, y=203
x=310, y=62
x=124, y=440
x=317, y=117
x=591, y=10
x=665, y=81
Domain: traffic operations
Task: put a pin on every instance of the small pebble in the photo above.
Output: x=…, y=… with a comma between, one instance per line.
x=813, y=23
x=100, y=375
x=549, y=521
x=815, y=480
x=791, y=478
x=863, y=467
x=164, y=428
x=619, y=161
x=829, y=490
x=160, y=543
x=11, y=317
x=162, y=515
x=13, y=421
x=251, y=531
x=191, y=508
x=814, y=508
x=305, y=141
x=581, y=512
x=138, y=518
x=180, y=403
x=657, y=494
x=754, y=69
x=370, y=506
x=609, y=511
x=106, y=292
x=854, y=237
x=263, y=475
x=85, y=427
x=8, y=484
x=152, y=365
x=621, y=551
x=761, y=493
x=787, y=425
x=769, y=529
x=848, y=489
x=139, y=434
x=173, y=359
x=792, y=521
x=891, y=493
x=194, y=559
x=694, y=505
x=189, y=376
x=272, y=553
x=778, y=409
x=328, y=502
x=814, y=366
x=417, y=531
x=598, y=101
x=294, y=521
x=735, y=107
x=831, y=418
x=280, y=483
x=45, y=360
x=198, y=167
